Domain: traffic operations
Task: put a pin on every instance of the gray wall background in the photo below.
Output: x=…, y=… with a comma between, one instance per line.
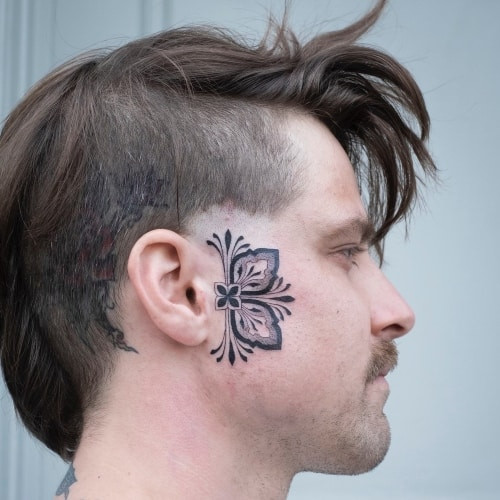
x=444, y=407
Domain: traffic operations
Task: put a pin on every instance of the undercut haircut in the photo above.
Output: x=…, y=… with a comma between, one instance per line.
x=113, y=144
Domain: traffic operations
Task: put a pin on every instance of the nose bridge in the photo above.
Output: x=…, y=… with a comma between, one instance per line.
x=391, y=316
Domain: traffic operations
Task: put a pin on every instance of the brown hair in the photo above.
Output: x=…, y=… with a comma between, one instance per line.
x=113, y=144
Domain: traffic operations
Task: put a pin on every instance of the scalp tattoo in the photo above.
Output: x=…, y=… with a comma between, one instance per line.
x=122, y=203
x=252, y=297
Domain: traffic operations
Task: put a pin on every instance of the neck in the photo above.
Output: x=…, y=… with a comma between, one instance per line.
x=147, y=445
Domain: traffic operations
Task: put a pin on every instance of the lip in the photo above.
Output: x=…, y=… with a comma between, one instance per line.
x=381, y=381
x=386, y=370
x=383, y=371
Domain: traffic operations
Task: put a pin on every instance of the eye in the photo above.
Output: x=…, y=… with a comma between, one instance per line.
x=348, y=255
x=351, y=253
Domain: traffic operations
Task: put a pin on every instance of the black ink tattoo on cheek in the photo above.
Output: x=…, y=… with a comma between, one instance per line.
x=252, y=297
x=67, y=482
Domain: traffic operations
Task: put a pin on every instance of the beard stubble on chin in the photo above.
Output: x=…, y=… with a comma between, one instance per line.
x=370, y=441
x=364, y=438
x=363, y=441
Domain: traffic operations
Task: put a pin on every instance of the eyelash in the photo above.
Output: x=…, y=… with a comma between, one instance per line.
x=351, y=253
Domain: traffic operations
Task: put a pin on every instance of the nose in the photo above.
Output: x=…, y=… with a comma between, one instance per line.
x=391, y=316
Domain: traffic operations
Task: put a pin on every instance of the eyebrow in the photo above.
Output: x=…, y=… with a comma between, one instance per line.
x=358, y=226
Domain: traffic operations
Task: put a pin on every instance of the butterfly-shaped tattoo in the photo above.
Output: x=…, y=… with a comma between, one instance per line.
x=252, y=296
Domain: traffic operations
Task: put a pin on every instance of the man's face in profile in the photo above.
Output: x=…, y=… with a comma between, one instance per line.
x=322, y=395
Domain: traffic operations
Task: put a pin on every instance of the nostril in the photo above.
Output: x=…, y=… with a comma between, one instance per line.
x=191, y=295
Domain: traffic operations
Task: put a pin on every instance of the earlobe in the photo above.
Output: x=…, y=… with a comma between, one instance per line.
x=162, y=271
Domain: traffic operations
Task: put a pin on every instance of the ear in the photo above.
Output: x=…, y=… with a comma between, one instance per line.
x=162, y=269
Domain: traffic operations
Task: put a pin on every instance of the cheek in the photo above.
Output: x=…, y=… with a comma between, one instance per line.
x=320, y=367
x=328, y=333
x=328, y=309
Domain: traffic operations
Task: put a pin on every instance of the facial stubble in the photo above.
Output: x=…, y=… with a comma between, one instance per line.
x=370, y=438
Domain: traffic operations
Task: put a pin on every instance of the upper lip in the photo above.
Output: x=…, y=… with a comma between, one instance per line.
x=385, y=371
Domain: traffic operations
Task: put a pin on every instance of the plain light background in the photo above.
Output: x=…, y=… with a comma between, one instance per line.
x=444, y=407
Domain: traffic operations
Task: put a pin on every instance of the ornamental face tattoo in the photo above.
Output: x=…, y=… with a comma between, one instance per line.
x=252, y=297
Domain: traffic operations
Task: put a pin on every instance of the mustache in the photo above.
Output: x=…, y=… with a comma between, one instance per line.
x=384, y=359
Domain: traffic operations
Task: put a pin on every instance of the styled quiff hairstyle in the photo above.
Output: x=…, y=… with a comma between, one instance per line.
x=113, y=144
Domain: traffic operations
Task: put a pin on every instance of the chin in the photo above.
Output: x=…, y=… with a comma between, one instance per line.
x=370, y=449
x=360, y=450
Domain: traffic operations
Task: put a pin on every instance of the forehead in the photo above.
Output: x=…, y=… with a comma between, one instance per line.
x=330, y=193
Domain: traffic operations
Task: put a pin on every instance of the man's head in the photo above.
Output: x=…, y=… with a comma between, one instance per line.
x=118, y=168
